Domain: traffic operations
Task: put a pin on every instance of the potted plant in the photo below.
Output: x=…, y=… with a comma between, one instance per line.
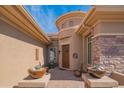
x=97, y=71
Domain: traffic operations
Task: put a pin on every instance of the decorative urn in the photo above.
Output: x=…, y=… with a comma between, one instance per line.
x=37, y=71
x=96, y=71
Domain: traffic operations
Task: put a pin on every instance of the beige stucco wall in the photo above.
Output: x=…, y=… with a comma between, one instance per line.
x=76, y=21
x=62, y=42
x=112, y=27
x=75, y=42
x=76, y=47
x=67, y=35
x=66, y=32
x=109, y=8
x=109, y=27
x=17, y=54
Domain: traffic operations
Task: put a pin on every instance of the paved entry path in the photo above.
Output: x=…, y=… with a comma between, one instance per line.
x=64, y=79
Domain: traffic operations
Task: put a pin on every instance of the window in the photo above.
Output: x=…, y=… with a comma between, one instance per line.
x=71, y=23
x=37, y=54
x=52, y=55
x=63, y=25
x=89, y=49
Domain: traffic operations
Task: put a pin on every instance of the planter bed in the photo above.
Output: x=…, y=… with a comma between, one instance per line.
x=118, y=77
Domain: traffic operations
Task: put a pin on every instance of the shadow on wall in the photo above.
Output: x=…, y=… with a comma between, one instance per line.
x=7, y=30
x=10, y=31
x=17, y=54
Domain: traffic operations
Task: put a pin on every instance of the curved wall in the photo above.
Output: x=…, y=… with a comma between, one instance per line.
x=69, y=19
x=67, y=25
x=69, y=22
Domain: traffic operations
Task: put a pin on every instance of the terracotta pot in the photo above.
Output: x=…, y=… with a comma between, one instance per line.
x=37, y=73
x=95, y=73
x=77, y=73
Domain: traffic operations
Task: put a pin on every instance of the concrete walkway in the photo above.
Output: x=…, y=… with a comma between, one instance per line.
x=64, y=79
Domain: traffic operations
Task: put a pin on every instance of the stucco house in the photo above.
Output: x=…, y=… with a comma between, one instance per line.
x=95, y=37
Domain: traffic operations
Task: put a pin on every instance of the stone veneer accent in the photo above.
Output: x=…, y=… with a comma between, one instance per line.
x=109, y=52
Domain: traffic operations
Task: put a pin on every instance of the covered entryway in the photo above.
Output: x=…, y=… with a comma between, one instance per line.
x=65, y=56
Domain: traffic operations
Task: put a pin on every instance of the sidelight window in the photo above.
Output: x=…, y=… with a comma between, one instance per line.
x=52, y=54
x=89, y=49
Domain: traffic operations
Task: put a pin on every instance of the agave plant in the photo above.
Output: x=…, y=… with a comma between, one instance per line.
x=98, y=67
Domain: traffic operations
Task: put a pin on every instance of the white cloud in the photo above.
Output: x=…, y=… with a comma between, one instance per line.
x=45, y=18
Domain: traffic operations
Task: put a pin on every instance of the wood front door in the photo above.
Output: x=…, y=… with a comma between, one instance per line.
x=65, y=56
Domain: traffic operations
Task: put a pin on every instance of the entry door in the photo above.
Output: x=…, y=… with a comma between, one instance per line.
x=65, y=56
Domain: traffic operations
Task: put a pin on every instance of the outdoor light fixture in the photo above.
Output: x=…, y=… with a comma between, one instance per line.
x=59, y=51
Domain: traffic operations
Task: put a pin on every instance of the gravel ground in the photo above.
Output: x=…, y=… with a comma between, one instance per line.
x=64, y=79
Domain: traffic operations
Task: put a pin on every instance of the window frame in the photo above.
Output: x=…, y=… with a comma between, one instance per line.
x=89, y=43
x=63, y=25
x=71, y=23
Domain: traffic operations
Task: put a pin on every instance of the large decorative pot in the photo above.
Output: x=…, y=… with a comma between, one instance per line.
x=96, y=73
x=77, y=73
x=37, y=73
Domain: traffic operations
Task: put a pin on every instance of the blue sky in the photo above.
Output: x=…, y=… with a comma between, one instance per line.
x=46, y=15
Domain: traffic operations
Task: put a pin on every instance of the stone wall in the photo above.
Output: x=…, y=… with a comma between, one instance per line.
x=109, y=52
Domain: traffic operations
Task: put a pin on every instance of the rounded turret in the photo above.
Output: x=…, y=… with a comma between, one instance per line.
x=69, y=20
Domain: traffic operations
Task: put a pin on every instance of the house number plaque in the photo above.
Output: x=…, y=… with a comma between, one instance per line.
x=75, y=55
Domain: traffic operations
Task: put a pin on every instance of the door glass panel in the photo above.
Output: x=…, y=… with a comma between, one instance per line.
x=52, y=53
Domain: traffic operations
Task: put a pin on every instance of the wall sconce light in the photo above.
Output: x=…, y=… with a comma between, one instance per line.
x=59, y=51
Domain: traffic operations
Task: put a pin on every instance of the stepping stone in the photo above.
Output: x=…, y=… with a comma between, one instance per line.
x=35, y=83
